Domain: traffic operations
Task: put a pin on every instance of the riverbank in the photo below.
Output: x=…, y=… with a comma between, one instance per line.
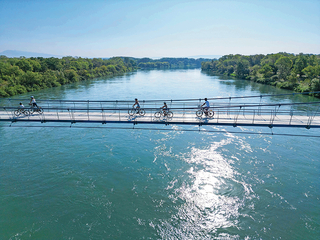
x=299, y=73
x=22, y=75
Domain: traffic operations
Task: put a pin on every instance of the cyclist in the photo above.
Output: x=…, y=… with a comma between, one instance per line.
x=136, y=102
x=21, y=105
x=33, y=102
x=164, y=108
x=207, y=105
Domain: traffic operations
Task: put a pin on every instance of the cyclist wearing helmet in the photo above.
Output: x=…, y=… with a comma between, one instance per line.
x=136, y=102
x=164, y=108
x=33, y=102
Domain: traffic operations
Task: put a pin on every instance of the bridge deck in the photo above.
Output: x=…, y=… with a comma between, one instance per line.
x=231, y=112
x=220, y=118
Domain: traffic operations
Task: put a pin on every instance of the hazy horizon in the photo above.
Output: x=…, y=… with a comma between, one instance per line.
x=17, y=53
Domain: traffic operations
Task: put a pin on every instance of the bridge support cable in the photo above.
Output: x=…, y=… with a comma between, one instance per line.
x=254, y=114
x=243, y=111
x=88, y=107
x=11, y=101
x=71, y=115
x=291, y=114
x=115, y=106
x=58, y=115
x=259, y=108
x=311, y=117
x=184, y=110
x=42, y=117
x=236, y=117
x=103, y=115
x=273, y=115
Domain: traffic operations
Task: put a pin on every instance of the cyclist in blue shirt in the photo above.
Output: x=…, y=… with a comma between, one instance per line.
x=164, y=108
x=136, y=103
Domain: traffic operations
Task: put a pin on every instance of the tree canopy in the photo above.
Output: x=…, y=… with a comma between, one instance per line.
x=21, y=75
x=169, y=63
x=300, y=73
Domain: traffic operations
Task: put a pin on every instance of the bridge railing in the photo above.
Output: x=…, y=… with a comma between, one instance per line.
x=230, y=110
x=265, y=116
x=50, y=104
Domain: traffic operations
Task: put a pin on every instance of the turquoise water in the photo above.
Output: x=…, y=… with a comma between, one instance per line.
x=92, y=183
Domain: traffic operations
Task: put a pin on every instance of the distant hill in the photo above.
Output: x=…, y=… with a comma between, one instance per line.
x=15, y=53
x=169, y=63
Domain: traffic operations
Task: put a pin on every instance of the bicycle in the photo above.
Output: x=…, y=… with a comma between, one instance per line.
x=208, y=113
x=167, y=114
x=134, y=111
x=20, y=111
x=36, y=110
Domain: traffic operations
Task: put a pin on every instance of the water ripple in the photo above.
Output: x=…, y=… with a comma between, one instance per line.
x=212, y=198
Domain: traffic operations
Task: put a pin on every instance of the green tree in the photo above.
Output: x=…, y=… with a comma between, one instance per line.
x=315, y=85
x=71, y=75
x=36, y=66
x=24, y=64
x=242, y=69
x=312, y=72
x=284, y=65
x=300, y=64
x=266, y=71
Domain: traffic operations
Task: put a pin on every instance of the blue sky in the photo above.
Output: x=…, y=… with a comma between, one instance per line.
x=174, y=28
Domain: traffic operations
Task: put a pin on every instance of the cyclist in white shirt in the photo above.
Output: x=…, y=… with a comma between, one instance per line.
x=33, y=102
x=207, y=106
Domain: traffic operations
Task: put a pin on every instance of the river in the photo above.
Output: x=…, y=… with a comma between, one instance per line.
x=113, y=183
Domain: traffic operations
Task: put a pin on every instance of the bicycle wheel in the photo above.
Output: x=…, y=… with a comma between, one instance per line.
x=157, y=114
x=199, y=113
x=142, y=112
x=169, y=114
x=26, y=112
x=132, y=112
x=17, y=112
x=210, y=113
x=40, y=110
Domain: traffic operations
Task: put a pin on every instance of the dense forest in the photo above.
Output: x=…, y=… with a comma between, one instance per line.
x=300, y=73
x=166, y=63
x=21, y=75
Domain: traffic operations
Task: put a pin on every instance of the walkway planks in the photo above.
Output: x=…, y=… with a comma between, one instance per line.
x=220, y=118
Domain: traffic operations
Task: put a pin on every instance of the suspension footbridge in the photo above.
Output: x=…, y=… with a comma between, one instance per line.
x=229, y=111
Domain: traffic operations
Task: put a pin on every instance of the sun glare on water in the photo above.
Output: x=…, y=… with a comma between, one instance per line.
x=213, y=197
